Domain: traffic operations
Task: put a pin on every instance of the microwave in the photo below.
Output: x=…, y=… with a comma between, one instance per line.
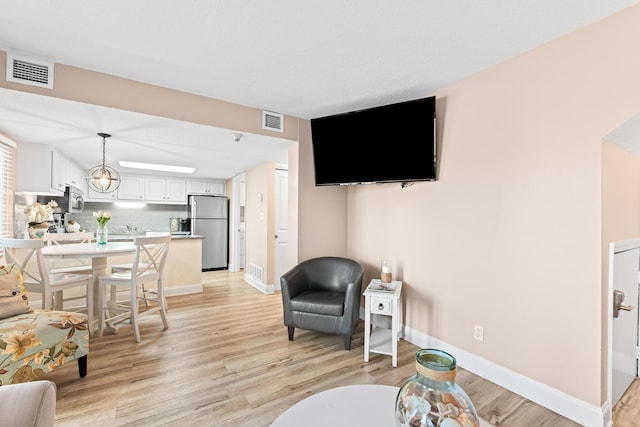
x=76, y=200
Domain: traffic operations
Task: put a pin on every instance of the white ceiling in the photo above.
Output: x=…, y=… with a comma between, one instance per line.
x=301, y=58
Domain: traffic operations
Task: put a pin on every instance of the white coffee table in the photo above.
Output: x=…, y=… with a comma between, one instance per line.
x=368, y=405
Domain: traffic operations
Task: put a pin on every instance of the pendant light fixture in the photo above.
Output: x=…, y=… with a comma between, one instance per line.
x=102, y=178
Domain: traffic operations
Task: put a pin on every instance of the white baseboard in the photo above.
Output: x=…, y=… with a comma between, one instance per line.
x=568, y=406
x=262, y=287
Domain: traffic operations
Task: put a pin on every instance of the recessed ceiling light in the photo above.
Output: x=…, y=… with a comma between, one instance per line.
x=155, y=167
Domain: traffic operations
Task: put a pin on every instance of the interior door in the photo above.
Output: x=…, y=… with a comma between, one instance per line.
x=281, y=226
x=626, y=270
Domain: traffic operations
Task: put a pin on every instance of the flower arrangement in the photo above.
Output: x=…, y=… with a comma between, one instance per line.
x=102, y=218
x=39, y=213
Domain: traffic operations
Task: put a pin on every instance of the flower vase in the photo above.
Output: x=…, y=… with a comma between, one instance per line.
x=37, y=231
x=102, y=235
x=431, y=397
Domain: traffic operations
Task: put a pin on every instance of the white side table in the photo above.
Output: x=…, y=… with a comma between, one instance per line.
x=384, y=302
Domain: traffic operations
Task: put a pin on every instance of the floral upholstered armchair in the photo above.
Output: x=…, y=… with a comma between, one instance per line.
x=35, y=342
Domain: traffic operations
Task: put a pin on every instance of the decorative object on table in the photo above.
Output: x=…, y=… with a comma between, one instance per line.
x=39, y=214
x=103, y=178
x=102, y=234
x=385, y=272
x=73, y=226
x=431, y=397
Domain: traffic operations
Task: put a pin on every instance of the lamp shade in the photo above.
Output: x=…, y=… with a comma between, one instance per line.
x=102, y=178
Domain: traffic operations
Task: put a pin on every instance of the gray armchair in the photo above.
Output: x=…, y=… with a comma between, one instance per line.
x=323, y=295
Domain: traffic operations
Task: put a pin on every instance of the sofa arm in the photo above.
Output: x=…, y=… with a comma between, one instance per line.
x=31, y=404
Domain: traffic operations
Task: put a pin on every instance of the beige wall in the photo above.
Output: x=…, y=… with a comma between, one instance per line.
x=510, y=236
x=293, y=196
x=260, y=210
x=322, y=211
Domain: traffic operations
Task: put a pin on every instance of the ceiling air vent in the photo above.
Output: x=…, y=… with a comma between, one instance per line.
x=29, y=71
x=272, y=121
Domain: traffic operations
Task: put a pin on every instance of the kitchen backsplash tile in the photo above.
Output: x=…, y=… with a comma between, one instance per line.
x=146, y=218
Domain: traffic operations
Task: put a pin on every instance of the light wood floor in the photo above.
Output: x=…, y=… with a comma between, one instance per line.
x=226, y=361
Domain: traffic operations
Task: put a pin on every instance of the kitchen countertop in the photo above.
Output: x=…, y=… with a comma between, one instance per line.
x=130, y=237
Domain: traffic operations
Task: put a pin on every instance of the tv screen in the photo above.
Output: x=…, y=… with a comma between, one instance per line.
x=392, y=143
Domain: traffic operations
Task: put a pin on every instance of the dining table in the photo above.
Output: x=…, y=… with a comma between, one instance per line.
x=97, y=253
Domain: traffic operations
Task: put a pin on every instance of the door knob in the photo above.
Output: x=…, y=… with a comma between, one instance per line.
x=618, y=298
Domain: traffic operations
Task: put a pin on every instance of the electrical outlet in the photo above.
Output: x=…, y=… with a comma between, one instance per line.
x=478, y=333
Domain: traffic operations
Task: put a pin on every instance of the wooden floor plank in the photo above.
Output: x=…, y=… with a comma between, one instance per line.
x=226, y=361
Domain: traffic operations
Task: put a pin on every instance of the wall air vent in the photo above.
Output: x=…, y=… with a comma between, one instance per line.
x=29, y=71
x=272, y=121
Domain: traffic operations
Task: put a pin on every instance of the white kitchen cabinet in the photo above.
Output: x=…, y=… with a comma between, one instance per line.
x=96, y=196
x=199, y=187
x=75, y=176
x=165, y=190
x=131, y=188
x=58, y=171
x=150, y=189
x=43, y=170
x=36, y=173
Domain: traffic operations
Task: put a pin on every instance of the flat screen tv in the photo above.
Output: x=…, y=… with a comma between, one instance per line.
x=392, y=143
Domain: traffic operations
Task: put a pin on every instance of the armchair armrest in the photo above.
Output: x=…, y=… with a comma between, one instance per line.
x=293, y=283
x=352, y=296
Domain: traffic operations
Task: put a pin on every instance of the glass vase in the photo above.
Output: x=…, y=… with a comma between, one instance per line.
x=102, y=235
x=385, y=272
x=431, y=397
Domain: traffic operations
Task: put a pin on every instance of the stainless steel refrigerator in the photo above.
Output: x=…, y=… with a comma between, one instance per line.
x=210, y=219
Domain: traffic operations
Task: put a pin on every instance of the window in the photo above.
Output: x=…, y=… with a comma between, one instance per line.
x=8, y=160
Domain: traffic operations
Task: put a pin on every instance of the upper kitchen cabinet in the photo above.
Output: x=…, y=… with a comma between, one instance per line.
x=165, y=190
x=205, y=187
x=149, y=189
x=96, y=196
x=75, y=176
x=131, y=188
x=43, y=170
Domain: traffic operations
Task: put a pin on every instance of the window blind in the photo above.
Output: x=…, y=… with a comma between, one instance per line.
x=8, y=162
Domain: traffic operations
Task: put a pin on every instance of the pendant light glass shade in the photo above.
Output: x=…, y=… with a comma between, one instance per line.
x=102, y=178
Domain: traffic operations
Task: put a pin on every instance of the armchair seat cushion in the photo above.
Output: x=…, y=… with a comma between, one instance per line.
x=319, y=302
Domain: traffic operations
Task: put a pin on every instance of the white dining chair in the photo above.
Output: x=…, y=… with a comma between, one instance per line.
x=148, y=263
x=128, y=266
x=69, y=265
x=26, y=254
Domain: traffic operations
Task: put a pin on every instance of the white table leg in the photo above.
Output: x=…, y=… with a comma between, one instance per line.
x=367, y=326
x=394, y=333
x=99, y=268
